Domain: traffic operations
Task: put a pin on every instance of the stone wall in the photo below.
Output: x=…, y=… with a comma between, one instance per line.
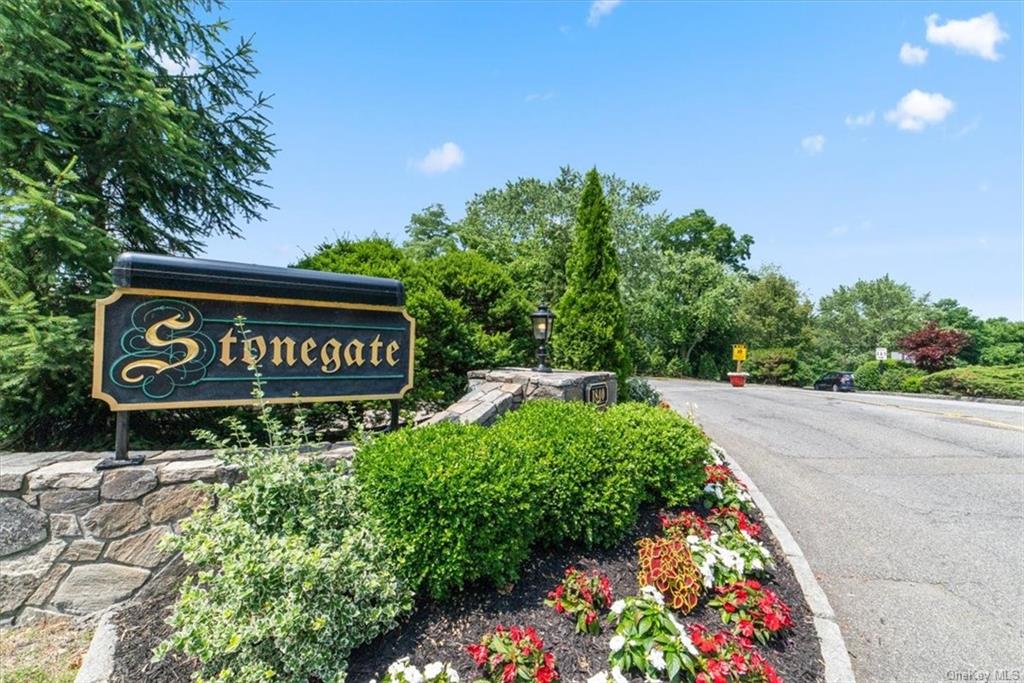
x=74, y=541
x=494, y=392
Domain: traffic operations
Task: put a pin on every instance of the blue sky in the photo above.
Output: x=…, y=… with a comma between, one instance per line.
x=783, y=120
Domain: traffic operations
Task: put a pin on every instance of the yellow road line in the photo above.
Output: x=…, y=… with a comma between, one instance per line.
x=952, y=416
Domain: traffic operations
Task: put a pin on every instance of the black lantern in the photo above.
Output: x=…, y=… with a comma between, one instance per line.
x=543, y=320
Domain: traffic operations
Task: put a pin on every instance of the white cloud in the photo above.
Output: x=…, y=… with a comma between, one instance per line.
x=600, y=9
x=969, y=128
x=441, y=159
x=839, y=231
x=978, y=36
x=918, y=109
x=813, y=144
x=540, y=96
x=860, y=120
x=175, y=68
x=912, y=55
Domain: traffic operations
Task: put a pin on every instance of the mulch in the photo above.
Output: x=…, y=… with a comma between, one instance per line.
x=440, y=631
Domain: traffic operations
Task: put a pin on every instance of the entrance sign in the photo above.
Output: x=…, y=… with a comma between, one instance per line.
x=739, y=351
x=597, y=393
x=180, y=333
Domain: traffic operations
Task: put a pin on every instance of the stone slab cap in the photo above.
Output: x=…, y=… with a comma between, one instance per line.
x=74, y=474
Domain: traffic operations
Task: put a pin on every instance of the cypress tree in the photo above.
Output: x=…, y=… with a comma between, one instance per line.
x=590, y=333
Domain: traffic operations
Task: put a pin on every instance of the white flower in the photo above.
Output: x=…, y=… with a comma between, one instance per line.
x=398, y=667
x=412, y=675
x=656, y=658
x=687, y=643
x=652, y=593
x=601, y=677
x=617, y=675
x=453, y=675
x=433, y=670
x=756, y=564
x=616, y=643
x=618, y=606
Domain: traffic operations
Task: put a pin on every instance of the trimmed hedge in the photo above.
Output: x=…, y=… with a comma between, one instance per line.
x=1006, y=381
x=886, y=375
x=461, y=503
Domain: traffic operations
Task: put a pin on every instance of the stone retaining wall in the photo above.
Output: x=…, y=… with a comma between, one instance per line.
x=74, y=541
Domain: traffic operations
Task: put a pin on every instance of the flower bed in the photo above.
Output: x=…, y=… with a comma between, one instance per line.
x=684, y=552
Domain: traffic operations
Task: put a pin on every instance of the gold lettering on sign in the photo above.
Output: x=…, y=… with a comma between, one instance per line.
x=289, y=355
x=175, y=322
x=330, y=354
x=248, y=357
x=225, y=347
x=375, y=347
x=391, y=351
x=307, y=349
x=354, y=353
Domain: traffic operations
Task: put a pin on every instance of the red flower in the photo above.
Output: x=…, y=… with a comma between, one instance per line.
x=509, y=674
x=549, y=660
x=746, y=627
x=545, y=675
x=478, y=653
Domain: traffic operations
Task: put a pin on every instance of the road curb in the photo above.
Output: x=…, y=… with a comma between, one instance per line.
x=838, y=668
x=98, y=662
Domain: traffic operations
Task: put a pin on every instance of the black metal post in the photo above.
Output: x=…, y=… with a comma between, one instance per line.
x=121, y=457
x=395, y=403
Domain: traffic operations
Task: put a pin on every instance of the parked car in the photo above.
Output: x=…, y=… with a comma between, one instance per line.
x=835, y=381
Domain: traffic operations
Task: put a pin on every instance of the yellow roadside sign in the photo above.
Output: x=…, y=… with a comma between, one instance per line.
x=739, y=351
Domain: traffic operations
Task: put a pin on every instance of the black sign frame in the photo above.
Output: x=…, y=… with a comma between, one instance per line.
x=101, y=364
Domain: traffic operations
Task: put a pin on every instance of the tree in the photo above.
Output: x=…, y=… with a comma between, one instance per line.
x=1001, y=342
x=701, y=233
x=590, y=333
x=934, y=348
x=123, y=125
x=528, y=225
x=772, y=312
x=853, y=320
x=685, y=313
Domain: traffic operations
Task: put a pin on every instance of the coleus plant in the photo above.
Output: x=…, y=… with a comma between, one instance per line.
x=752, y=610
x=513, y=655
x=685, y=523
x=667, y=565
x=582, y=596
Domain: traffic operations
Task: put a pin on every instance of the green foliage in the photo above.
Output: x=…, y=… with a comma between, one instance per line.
x=977, y=380
x=700, y=233
x=668, y=450
x=685, y=310
x=772, y=312
x=886, y=375
x=777, y=366
x=105, y=146
x=590, y=332
x=452, y=512
x=591, y=493
x=1000, y=342
x=644, y=625
x=293, y=573
x=912, y=384
x=462, y=503
x=853, y=320
x=640, y=390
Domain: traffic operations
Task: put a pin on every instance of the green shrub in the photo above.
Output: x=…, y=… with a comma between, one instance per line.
x=912, y=384
x=452, y=512
x=293, y=573
x=463, y=503
x=640, y=391
x=668, y=451
x=590, y=493
x=776, y=366
x=1006, y=381
x=886, y=375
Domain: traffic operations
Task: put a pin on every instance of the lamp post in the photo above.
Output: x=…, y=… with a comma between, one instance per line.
x=543, y=320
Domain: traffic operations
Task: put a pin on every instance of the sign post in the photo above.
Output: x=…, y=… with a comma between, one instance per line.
x=739, y=354
x=187, y=333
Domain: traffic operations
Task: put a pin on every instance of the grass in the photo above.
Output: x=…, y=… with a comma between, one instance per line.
x=49, y=652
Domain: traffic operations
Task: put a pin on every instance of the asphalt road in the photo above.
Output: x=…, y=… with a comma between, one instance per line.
x=910, y=512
